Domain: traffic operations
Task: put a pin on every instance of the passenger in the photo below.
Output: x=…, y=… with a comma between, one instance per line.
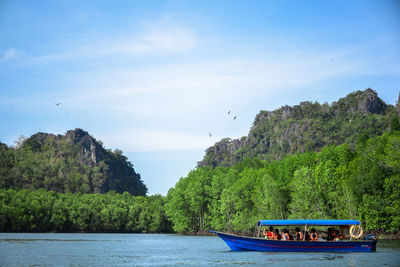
x=330, y=233
x=299, y=234
x=270, y=234
x=285, y=234
x=338, y=236
x=265, y=231
x=288, y=235
x=314, y=236
x=277, y=236
x=307, y=236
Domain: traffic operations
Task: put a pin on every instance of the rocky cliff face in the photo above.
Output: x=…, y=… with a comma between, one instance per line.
x=74, y=162
x=305, y=127
x=398, y=105
x=90, y=151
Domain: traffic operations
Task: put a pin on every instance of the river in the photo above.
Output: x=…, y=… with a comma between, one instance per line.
x=38, y=249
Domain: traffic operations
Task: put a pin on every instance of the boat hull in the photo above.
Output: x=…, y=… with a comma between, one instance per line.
x=238, y=243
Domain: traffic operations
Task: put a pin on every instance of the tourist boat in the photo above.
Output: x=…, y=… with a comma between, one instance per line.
x=356, y=243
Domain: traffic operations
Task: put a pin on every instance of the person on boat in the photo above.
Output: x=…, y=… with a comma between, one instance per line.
x=299, y=234
x=307, y=236
x=286, y=235
x=330, y=234
x=337, y=236
x=277, y=236
x=269, y=234
x=265, y=231
x=314, y=235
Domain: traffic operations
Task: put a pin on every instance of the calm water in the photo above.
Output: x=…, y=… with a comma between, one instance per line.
x=163, y=249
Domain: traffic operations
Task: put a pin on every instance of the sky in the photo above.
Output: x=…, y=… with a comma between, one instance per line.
x=156, y=78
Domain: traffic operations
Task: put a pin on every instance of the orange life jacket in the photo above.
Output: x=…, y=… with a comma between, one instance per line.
x=299, y=236
x=314, y=237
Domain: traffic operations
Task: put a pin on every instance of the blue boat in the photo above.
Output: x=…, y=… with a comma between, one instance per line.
x=257, y=243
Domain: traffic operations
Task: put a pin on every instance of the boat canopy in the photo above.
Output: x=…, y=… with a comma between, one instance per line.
x=308, y=222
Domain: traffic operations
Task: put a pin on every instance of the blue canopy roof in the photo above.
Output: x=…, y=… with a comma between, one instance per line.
x=308, y=222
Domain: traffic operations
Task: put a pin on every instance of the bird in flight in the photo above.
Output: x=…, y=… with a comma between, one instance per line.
x=229, y=112
x=209, y=134
x=57, y=104
x=234, y=118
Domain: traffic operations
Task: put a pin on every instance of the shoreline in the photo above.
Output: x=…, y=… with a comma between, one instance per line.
x=383, y=236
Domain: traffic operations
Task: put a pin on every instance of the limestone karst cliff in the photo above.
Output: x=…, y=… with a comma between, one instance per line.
x=309, y=126
x=74, y=162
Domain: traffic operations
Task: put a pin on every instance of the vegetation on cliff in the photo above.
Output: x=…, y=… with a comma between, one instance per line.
x=305, y=127
x=71, y=163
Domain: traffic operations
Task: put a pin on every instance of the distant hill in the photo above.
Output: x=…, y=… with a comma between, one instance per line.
x=308, y=126
x=75, y=162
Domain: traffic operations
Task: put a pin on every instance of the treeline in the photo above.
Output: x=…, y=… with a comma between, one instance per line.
x=47, y=211
x=337, y=183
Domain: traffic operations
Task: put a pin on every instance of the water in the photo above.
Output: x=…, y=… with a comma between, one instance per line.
x=167, y=250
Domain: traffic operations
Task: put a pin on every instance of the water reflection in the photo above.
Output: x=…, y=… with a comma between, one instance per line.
x=392, y=244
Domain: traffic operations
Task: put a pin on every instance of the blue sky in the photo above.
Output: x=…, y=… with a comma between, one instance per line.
x=154, y=78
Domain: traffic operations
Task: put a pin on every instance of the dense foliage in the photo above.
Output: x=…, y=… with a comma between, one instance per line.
x=75, y=163
x=339, y=182
x=338, y=161
x=44, y=211
x=305, y=127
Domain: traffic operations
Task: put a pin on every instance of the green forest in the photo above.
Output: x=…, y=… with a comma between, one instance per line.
x=47, y=211
x=311, y=161
x=336, y=183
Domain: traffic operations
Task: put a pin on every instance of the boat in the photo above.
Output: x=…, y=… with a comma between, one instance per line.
x=356, y=243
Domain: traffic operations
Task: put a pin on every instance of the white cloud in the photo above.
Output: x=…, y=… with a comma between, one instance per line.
x=161, y=39
x=201, y=85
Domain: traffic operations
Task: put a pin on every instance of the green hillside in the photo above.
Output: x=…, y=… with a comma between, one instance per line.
x=71, y=163
x=309, y=126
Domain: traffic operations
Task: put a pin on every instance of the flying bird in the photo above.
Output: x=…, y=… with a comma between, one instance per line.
x=234, y=118
x=57, y=104
x=209, y=134
x=229, y=112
